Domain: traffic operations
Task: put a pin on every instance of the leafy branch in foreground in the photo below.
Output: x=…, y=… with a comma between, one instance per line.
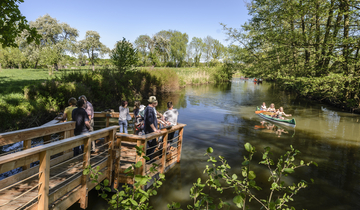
x=130, y=196
x=220, y=179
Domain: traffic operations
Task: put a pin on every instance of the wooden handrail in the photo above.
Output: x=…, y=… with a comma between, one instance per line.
x=31, y=133
x=54, y=146
x=151, y=136
x=43, y=154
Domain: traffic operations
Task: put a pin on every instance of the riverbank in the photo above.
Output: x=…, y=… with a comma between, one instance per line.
x=31, y=97
x=338, y=90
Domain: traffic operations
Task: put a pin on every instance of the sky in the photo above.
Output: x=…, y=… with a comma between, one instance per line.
x=116, y=19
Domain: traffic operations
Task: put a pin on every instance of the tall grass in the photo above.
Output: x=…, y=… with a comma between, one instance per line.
x=31, y=97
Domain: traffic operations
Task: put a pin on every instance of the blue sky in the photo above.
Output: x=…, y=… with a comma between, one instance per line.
x=116, y=19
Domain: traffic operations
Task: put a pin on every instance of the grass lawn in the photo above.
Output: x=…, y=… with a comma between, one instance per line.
x=14, y=80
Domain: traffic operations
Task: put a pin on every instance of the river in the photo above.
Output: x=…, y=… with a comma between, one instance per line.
x=222, y=117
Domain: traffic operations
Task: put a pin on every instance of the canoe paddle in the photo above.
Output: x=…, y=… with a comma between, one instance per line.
x=264, y=112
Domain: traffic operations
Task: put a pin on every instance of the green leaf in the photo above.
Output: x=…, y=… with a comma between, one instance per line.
x=238, y=200
x=97, y=187
x=289, y=170
x=248, y=147
x=133, y=202
x=154, y=192
x=138, y=164
x=106, y=182
x=245, y=163
x=107, y=189
x=143, y=199
x=274, y=185
x=209, y=150
x=252, y=175
x=234, y=176
x=128, y=169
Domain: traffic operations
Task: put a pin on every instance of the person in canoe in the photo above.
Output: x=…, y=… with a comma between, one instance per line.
x=271, y=108
x=263, y=107
x=281, y=113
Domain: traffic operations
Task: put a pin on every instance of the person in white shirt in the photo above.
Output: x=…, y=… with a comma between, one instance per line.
x=171, y=115
x=263, y=106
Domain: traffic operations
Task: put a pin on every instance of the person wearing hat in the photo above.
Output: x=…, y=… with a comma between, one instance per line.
x=150, y=123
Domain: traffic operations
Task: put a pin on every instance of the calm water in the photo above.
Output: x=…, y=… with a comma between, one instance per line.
x=222, y=117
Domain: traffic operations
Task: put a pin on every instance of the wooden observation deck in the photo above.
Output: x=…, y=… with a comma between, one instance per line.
x=40, y=171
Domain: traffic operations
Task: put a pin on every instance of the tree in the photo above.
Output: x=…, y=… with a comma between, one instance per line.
x=217, y=49
x=198, y=47
x=143, y=43
x=92, y=46
x=124, y=55
x=58, y=36
x=12, y=24
x=208, y=47
x=178, y=42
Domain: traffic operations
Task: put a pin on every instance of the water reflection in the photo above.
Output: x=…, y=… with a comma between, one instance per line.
x=222, y=117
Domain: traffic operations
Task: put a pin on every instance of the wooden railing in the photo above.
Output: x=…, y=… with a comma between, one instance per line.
x=107, y=116
x=43, y=135
x=55, y=181
x=165, y=156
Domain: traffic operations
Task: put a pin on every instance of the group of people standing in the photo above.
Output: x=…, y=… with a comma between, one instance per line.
x=82, y=112
x=149, y=117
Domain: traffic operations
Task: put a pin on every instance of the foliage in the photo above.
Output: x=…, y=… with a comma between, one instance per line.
x=244, y=186
x=198, y=47
x=129, y=197
x=92, y=46
x=124, y=55
x=308, y=39
x=12, y=24
x=57, y=39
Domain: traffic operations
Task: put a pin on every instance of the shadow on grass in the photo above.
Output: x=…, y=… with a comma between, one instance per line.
x=16, y=86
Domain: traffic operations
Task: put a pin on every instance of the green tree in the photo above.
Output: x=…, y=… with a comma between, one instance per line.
x=124, y=55
x=58, y=36
x=178, y=42
x=198, y=46
x=13, y=23
x=217, y=49
x=92, y=46
x=208, y=48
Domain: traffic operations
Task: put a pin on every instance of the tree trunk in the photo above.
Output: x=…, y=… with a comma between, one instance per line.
x=336, y=31
x=324, y=69
x=36, y=63
x=345, y=8
x=56, y=67
x=0, y=66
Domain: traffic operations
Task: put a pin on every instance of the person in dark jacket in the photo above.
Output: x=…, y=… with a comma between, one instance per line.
x=82, y=124
x=150, y=124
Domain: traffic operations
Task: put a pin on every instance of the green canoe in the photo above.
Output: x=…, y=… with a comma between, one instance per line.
x=291, y=122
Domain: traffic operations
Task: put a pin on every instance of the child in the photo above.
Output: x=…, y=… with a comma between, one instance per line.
x=281, y=112
x=263, y=106
x=271, y=108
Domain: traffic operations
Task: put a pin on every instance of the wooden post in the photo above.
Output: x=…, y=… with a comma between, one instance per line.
x=68, y=134
x=163, y=159
x=138, y=158
x=144, y=143
x=27, y=145
x=84, y=178
x=179, y=144
x=107, y=121
x=117, y=162
x=110, y=139
x=44, y=177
